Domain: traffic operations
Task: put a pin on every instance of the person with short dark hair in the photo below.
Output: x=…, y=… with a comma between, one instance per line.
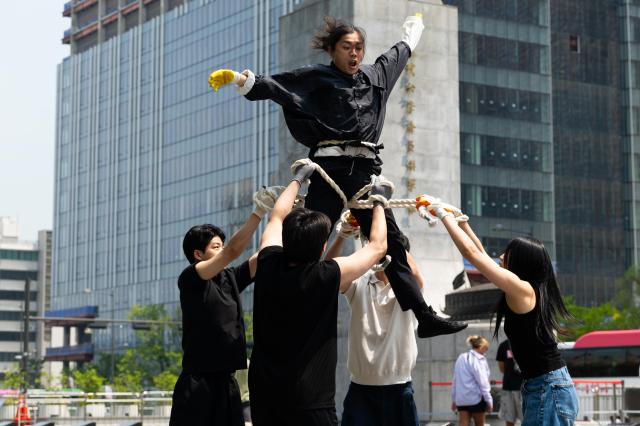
x=338, y=111
x=510, y=398
x=295, y=310
x=213, y=338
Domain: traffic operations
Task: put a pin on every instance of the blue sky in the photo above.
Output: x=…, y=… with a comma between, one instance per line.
x=30, y=40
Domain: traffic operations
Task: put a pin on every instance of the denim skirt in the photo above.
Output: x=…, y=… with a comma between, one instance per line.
x=549, y=399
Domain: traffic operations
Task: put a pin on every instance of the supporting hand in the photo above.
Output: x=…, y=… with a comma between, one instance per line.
x=265, y=198
x=348, y=226
x=381, y=191
x=302, y=170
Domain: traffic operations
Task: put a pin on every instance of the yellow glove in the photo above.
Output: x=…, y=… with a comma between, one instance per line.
x=220, y=78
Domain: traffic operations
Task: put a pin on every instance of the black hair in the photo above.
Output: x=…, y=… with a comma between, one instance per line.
x=333, y=31
x=198, y=238
x=529, y=260
x=304, y=234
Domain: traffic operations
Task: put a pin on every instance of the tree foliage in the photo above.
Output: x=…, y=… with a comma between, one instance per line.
x=152, y=363
x=621, y=313
x=156, y=358
x=87, y=379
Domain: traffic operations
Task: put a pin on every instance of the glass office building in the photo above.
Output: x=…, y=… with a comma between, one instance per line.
x=629, y=24
x=548, y=115
x=145, y=150
x=588, y=136
x=505, y=119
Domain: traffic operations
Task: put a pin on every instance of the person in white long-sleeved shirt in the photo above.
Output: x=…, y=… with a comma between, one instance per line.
x=382, y=351
x=471, y=390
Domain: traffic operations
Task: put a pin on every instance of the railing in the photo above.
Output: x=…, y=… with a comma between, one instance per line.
x=67, y=7
x=598, y=400
x=154, y=407
x=84, y=26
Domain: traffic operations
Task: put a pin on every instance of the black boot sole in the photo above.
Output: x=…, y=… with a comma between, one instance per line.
x=423, y=334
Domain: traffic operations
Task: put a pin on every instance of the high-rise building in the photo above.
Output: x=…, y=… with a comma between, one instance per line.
x=22, y=266
x=588, y=135
x=547, y=134
x=145, y=149
x=96, y=21
x=506, y=133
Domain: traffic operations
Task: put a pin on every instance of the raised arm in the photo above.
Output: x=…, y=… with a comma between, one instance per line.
x=282, y=88
x=272, y=235
x=354, y=266
x=390, y=64
x=209, y=268
x=520, y=294
x=335, y=249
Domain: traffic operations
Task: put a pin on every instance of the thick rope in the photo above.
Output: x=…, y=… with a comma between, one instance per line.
x=354, y=203
x=421, y=203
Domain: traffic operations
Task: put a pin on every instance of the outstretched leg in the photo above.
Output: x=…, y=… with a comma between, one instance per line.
x=351, y=174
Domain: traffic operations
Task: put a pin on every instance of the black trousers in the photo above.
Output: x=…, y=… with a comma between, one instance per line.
x=206, y=400
x=351, y=174
x=281, y=415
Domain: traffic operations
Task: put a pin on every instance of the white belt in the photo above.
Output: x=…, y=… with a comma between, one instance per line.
x=330, y=148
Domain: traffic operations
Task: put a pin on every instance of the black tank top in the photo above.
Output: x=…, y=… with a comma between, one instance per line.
x=535, y=355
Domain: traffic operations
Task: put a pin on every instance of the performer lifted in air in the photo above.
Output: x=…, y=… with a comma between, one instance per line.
x=338, y=111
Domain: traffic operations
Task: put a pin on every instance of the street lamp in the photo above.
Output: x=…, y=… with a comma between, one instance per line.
x=113, y=340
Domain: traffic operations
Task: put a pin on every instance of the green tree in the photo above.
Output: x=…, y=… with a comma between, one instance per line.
x=165, y=381
x=155, y=352
x=33, y=378
x=621, y=313
x=87, y=379
x=15, y=378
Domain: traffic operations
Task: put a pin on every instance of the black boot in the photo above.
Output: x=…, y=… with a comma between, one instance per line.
x=430, y=324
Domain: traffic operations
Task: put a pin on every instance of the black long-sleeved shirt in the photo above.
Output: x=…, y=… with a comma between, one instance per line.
x=322, y=103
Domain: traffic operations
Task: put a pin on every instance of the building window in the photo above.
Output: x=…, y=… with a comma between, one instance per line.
x=18, y=275
x=574, y=43
x=19, y=255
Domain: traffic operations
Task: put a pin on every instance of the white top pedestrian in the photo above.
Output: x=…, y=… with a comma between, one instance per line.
x=471, y=380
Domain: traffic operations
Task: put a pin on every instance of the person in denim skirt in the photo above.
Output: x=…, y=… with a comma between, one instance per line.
x=531, y=307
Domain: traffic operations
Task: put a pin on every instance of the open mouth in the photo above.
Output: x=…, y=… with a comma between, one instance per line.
x=353, y=63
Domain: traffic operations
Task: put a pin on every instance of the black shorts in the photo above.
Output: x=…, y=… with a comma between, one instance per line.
x=480, y=407
x=205, y=400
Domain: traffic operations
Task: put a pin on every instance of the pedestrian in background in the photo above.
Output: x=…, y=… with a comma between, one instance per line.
x=510, y=397
x=470, y=390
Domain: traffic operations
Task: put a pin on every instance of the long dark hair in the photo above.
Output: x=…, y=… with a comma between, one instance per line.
x=333, y=31
x=529, y=260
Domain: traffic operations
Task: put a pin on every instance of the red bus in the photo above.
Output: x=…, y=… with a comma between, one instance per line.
x=613, y=353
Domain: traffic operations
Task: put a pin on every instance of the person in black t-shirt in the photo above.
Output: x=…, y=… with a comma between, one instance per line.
x=295, y=308
x=213, y=340
x=510, y=399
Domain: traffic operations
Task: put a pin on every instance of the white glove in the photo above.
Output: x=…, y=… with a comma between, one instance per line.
x=439, y=210
x=412, y=27
x=265, y=198
x=348, y=226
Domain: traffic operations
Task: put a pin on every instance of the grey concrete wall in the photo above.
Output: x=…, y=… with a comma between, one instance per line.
x=435, y=153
